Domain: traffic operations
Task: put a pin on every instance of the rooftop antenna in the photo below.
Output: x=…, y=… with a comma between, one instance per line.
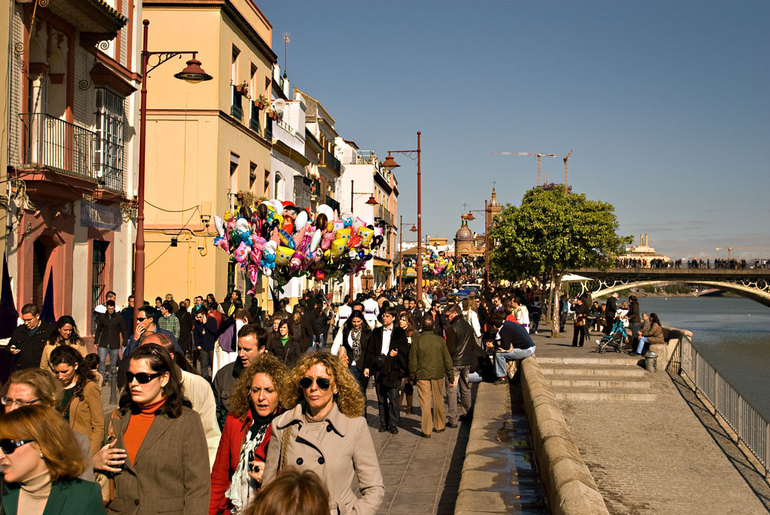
x=286, y=41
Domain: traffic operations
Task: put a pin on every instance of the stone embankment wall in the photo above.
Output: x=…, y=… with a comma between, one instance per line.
x=569, y=484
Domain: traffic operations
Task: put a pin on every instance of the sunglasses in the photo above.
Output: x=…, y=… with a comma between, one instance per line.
x=323, y=382
x=9, y=446
x=141, y=377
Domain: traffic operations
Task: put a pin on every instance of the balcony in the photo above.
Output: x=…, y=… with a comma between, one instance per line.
x=331, y=162
x=383, y=215
x=52, y=147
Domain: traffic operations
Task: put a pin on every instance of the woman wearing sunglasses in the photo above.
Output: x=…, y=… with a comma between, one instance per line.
x=324, y=431
x=166, y=468
x=240, y=462
x=40, y=462
x=81, y=403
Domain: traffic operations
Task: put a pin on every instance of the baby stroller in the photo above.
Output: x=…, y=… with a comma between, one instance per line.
x=615, y=340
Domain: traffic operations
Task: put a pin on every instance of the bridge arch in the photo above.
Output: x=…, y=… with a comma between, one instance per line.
x=758, y=291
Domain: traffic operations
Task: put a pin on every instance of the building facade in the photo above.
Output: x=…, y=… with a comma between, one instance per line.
x=208, y=145
x=72, y=113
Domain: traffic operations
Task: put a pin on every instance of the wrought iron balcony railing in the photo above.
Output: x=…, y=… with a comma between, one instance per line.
x=62, y=146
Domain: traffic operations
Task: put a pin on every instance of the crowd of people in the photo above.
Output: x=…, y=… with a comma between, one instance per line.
x=226, y=408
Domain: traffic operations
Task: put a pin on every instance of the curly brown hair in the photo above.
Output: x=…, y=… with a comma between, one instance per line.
x=264, y=364
x=349, y=399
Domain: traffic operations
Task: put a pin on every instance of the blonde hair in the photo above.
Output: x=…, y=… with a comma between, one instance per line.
x=44, y=425
x=46, y=386
x=349, y=398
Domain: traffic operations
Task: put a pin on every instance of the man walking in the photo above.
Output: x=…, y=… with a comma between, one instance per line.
x=610, y=311
x=429, y=365
x=29, y=339
x=167, y=320
x=204, y=336
x=224, y=381
x=387, y=358
x=460, y=341
x=111, y=333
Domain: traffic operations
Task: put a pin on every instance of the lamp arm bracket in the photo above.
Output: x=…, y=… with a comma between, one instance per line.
x=162, y=57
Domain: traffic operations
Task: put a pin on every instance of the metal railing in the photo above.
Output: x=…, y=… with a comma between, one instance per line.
x=331, y=162
x=751, y=428
x=57, y=144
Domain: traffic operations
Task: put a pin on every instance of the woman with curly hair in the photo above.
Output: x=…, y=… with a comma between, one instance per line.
x=66, y=333
x=166, y=468
x=324, y=432
x=40, y=462
x=81, y=402
x=240, y=461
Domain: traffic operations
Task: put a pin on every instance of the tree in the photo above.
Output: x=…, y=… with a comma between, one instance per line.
x=550, y=233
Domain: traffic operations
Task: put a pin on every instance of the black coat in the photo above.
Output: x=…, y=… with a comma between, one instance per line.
x=205, y=335
x=109, y=330
x=303, y=332
x=186, y=323
x=30, y=344
x=288, y=354
x=388, y=370
x=460, y=340
x=365, y=336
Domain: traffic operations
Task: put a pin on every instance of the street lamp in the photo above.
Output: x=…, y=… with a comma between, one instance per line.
x=469, y=217
x=193, y=74
x=389, y=165
x=401, y=224
x=370, y=202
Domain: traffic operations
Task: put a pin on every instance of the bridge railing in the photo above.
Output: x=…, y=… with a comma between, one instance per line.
x=750, y=427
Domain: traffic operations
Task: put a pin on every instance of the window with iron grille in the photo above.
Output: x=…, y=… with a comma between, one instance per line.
x=110, y=121
x=98, y=265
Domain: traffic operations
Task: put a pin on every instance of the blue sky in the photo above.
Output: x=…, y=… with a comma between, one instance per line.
x=665, y=105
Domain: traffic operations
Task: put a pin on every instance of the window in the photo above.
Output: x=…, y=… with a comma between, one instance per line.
x=233, y=179
x=98, y=264
x=252, y=175
x=253, y=109
x=109, y=123
x=236, y=108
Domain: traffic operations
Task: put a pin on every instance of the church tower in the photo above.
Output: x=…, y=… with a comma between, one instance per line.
x=493, y=209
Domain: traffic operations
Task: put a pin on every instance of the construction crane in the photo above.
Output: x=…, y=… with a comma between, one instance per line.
x=731, y=249
x=566, y=171
x=536, y=154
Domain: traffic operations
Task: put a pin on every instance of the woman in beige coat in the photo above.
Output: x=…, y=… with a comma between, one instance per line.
x=81, y=402
x=66, y=333
x=324, y=431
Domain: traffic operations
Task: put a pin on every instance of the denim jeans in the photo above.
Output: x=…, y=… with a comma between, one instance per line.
x=113, y=354
x=512, y=355
x=461, y=384
x=640, y=345
x=206, y=358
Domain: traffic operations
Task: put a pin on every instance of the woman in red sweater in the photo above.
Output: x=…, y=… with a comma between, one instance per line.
x=237, y=472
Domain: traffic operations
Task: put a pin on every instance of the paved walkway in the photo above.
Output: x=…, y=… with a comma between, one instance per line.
x=664, y=456
x=421, y=475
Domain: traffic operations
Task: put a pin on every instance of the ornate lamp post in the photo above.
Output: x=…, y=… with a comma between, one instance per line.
x=390, y=164
x=193, y=74
x=401, y=224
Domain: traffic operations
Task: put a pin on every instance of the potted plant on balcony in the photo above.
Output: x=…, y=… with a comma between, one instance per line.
x=261, y=102
x=272, y=114
x=242, y=89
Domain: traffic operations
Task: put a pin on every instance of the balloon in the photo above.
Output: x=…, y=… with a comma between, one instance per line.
x=283, y=256
x=220, y=226
x=338, y=247
x=327, y=239
x=366, y=235
x=325, y=210
x=316, y=241
x=354, y=242
x=343, y=233
x=253, y=276
x=241, y=254
x=222, y=243
x=377, y=241
x=301, y=220
x=296, y=262
x=285, y=239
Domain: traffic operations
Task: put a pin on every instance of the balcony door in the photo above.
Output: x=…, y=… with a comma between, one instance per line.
x=41, y=256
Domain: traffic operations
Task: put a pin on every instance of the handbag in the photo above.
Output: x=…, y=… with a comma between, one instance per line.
x=106, y=481
x=285, y=437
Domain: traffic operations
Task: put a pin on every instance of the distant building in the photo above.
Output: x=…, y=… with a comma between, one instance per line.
x=642, y=255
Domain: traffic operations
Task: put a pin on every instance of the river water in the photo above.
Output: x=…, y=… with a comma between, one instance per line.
x=732, y=333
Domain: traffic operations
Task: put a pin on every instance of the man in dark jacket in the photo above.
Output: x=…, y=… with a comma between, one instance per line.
x=429, y=365
x=224, y=382
x=111, y=333
x=204, y=337
x=185, y=327
x=460, y=340
x=387, y=358
x=29, y=339
x=609, y=312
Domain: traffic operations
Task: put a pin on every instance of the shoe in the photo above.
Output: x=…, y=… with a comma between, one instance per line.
x=394, y=430
x=439, y=430
x=413, y=410
x=451, y=424
x=425, y=435
x=501, y=380
x=382, y=429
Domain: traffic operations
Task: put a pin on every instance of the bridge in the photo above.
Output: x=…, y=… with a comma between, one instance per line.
x=750, y=283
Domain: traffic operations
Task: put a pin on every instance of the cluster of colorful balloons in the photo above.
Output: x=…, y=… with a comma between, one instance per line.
x=437, y=265
x=283, y=241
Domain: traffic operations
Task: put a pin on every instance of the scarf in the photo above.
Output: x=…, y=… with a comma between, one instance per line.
x=355, y=336
x=242, y=487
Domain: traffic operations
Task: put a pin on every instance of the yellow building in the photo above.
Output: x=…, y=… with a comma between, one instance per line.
x=208, y=145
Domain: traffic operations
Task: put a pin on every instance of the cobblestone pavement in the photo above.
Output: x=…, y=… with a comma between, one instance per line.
x=666, y=456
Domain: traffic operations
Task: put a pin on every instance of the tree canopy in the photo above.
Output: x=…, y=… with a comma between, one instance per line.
x=552, y=232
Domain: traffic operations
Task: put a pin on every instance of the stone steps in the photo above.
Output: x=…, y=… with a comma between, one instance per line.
x=617, y=378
